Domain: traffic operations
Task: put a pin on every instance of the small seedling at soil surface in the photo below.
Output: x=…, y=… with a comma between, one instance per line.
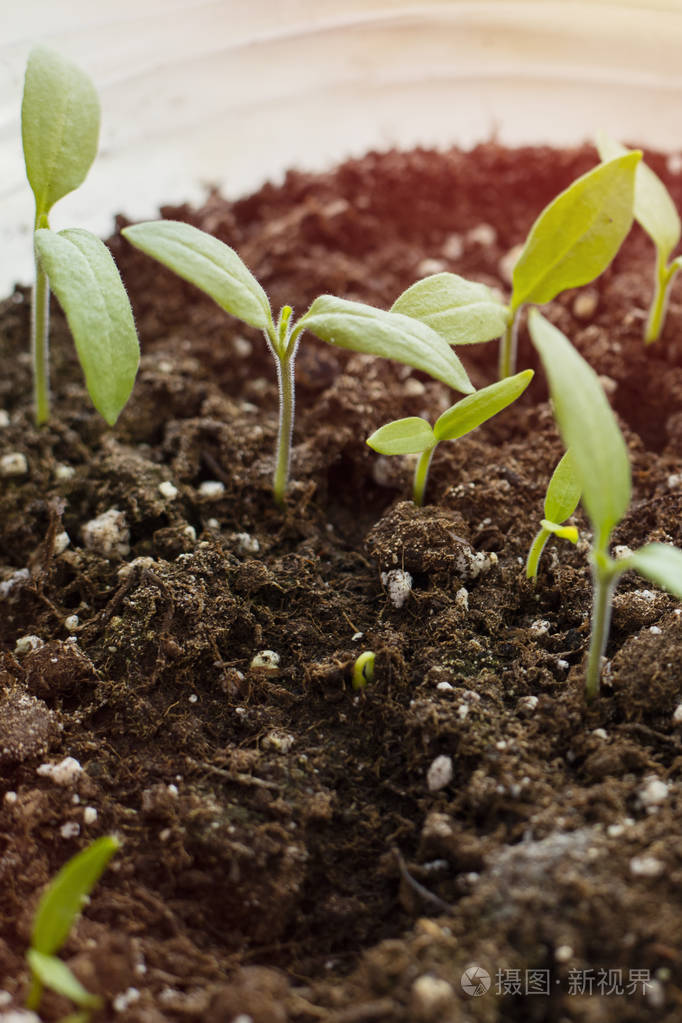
x=654, y=211
x=60, y=131
x=572, y=241
x=415, y=436
x=56, y=913
x=363, y=669
x=561, y=500
x=214, y=267
x=590, y=431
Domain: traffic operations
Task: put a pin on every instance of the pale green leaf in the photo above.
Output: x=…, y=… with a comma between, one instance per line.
x=206, y=262
x=563, y=532
x=563, y=490
x=56, y=975
x=470, y=412
x=654, y=208
x=59, y=126
x=575, y=238
x=588, y=427
x=82, y=273
x=62, y=902
x=462, y=312
x=362, y=328
x=660, y=562
x=408, y=436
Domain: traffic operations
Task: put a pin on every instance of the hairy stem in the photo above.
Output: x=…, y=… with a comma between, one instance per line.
x=285, y=380
x=421, y=475
x=508, y=346
x=40, y=348
x=535, y=553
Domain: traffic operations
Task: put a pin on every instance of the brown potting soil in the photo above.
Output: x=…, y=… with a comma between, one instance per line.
x=463, y=840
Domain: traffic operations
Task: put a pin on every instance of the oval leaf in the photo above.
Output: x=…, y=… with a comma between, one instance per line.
x=654, y=208
x=588, y=427
x=660, y=562
x=575, y=238
x=408, y=436
x=206, y=262
x=476, y=408
x=362, y=328
x=56, y=975
x=82, y=273
x=462, y=312
x=62, y=902
x=59, y=126
x=563, y=490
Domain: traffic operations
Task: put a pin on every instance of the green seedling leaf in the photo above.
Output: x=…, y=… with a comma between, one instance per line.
x=63, y=900
x=588, y=427
x=654, y=208
x=563, y=491
x=56, y=975
x=476, y=408
x=660, y=562
x=362, y=328
x=59, y=127
x=462, y=312
x=563, y=532
x=408, y=436
x=208, y=263
x=575, y=238
x=83, y=276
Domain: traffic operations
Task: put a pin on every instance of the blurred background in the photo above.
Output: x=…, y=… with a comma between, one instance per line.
x=229, y=93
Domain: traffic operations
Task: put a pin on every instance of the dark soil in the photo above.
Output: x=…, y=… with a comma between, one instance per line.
x=287, y=856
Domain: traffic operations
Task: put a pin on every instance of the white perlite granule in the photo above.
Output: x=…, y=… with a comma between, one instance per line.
x=13, y=464
x=399, y=584
x=440, y=773
x=108, y=534
x=66, y=772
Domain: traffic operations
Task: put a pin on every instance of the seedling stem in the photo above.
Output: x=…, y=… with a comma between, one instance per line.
x=509, y=345
x=663, y=275
x=40, y=344
x=421, y=475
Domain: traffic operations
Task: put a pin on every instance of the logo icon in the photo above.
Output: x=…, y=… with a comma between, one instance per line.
x=475, y=980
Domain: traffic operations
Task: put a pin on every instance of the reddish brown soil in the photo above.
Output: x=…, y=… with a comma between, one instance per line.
x=284, y=859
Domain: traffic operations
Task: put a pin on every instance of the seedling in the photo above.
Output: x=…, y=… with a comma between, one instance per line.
x=415, y=436
x=654, y=211
x=363, y=669
x=572, y=241
x=561, y=500
x=60, y=130
x=57, y=910
x=590, y=431
x=214, y=267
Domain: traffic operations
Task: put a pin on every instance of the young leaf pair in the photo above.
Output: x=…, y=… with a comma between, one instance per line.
x=590, y=432
x=415, y=436
x=655, y=212
x=217, y=270
x=60, y=130
x=561, y=500
x=56, y=913
x=572, y=241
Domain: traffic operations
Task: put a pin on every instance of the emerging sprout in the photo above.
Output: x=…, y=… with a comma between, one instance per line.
x=572, y=241
x=214, y=267
x=60, y=131
x=57, y=910
x=363, y=669
x=590, y=431
x=561, y=500
x=415, y=436
x=654, y=211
